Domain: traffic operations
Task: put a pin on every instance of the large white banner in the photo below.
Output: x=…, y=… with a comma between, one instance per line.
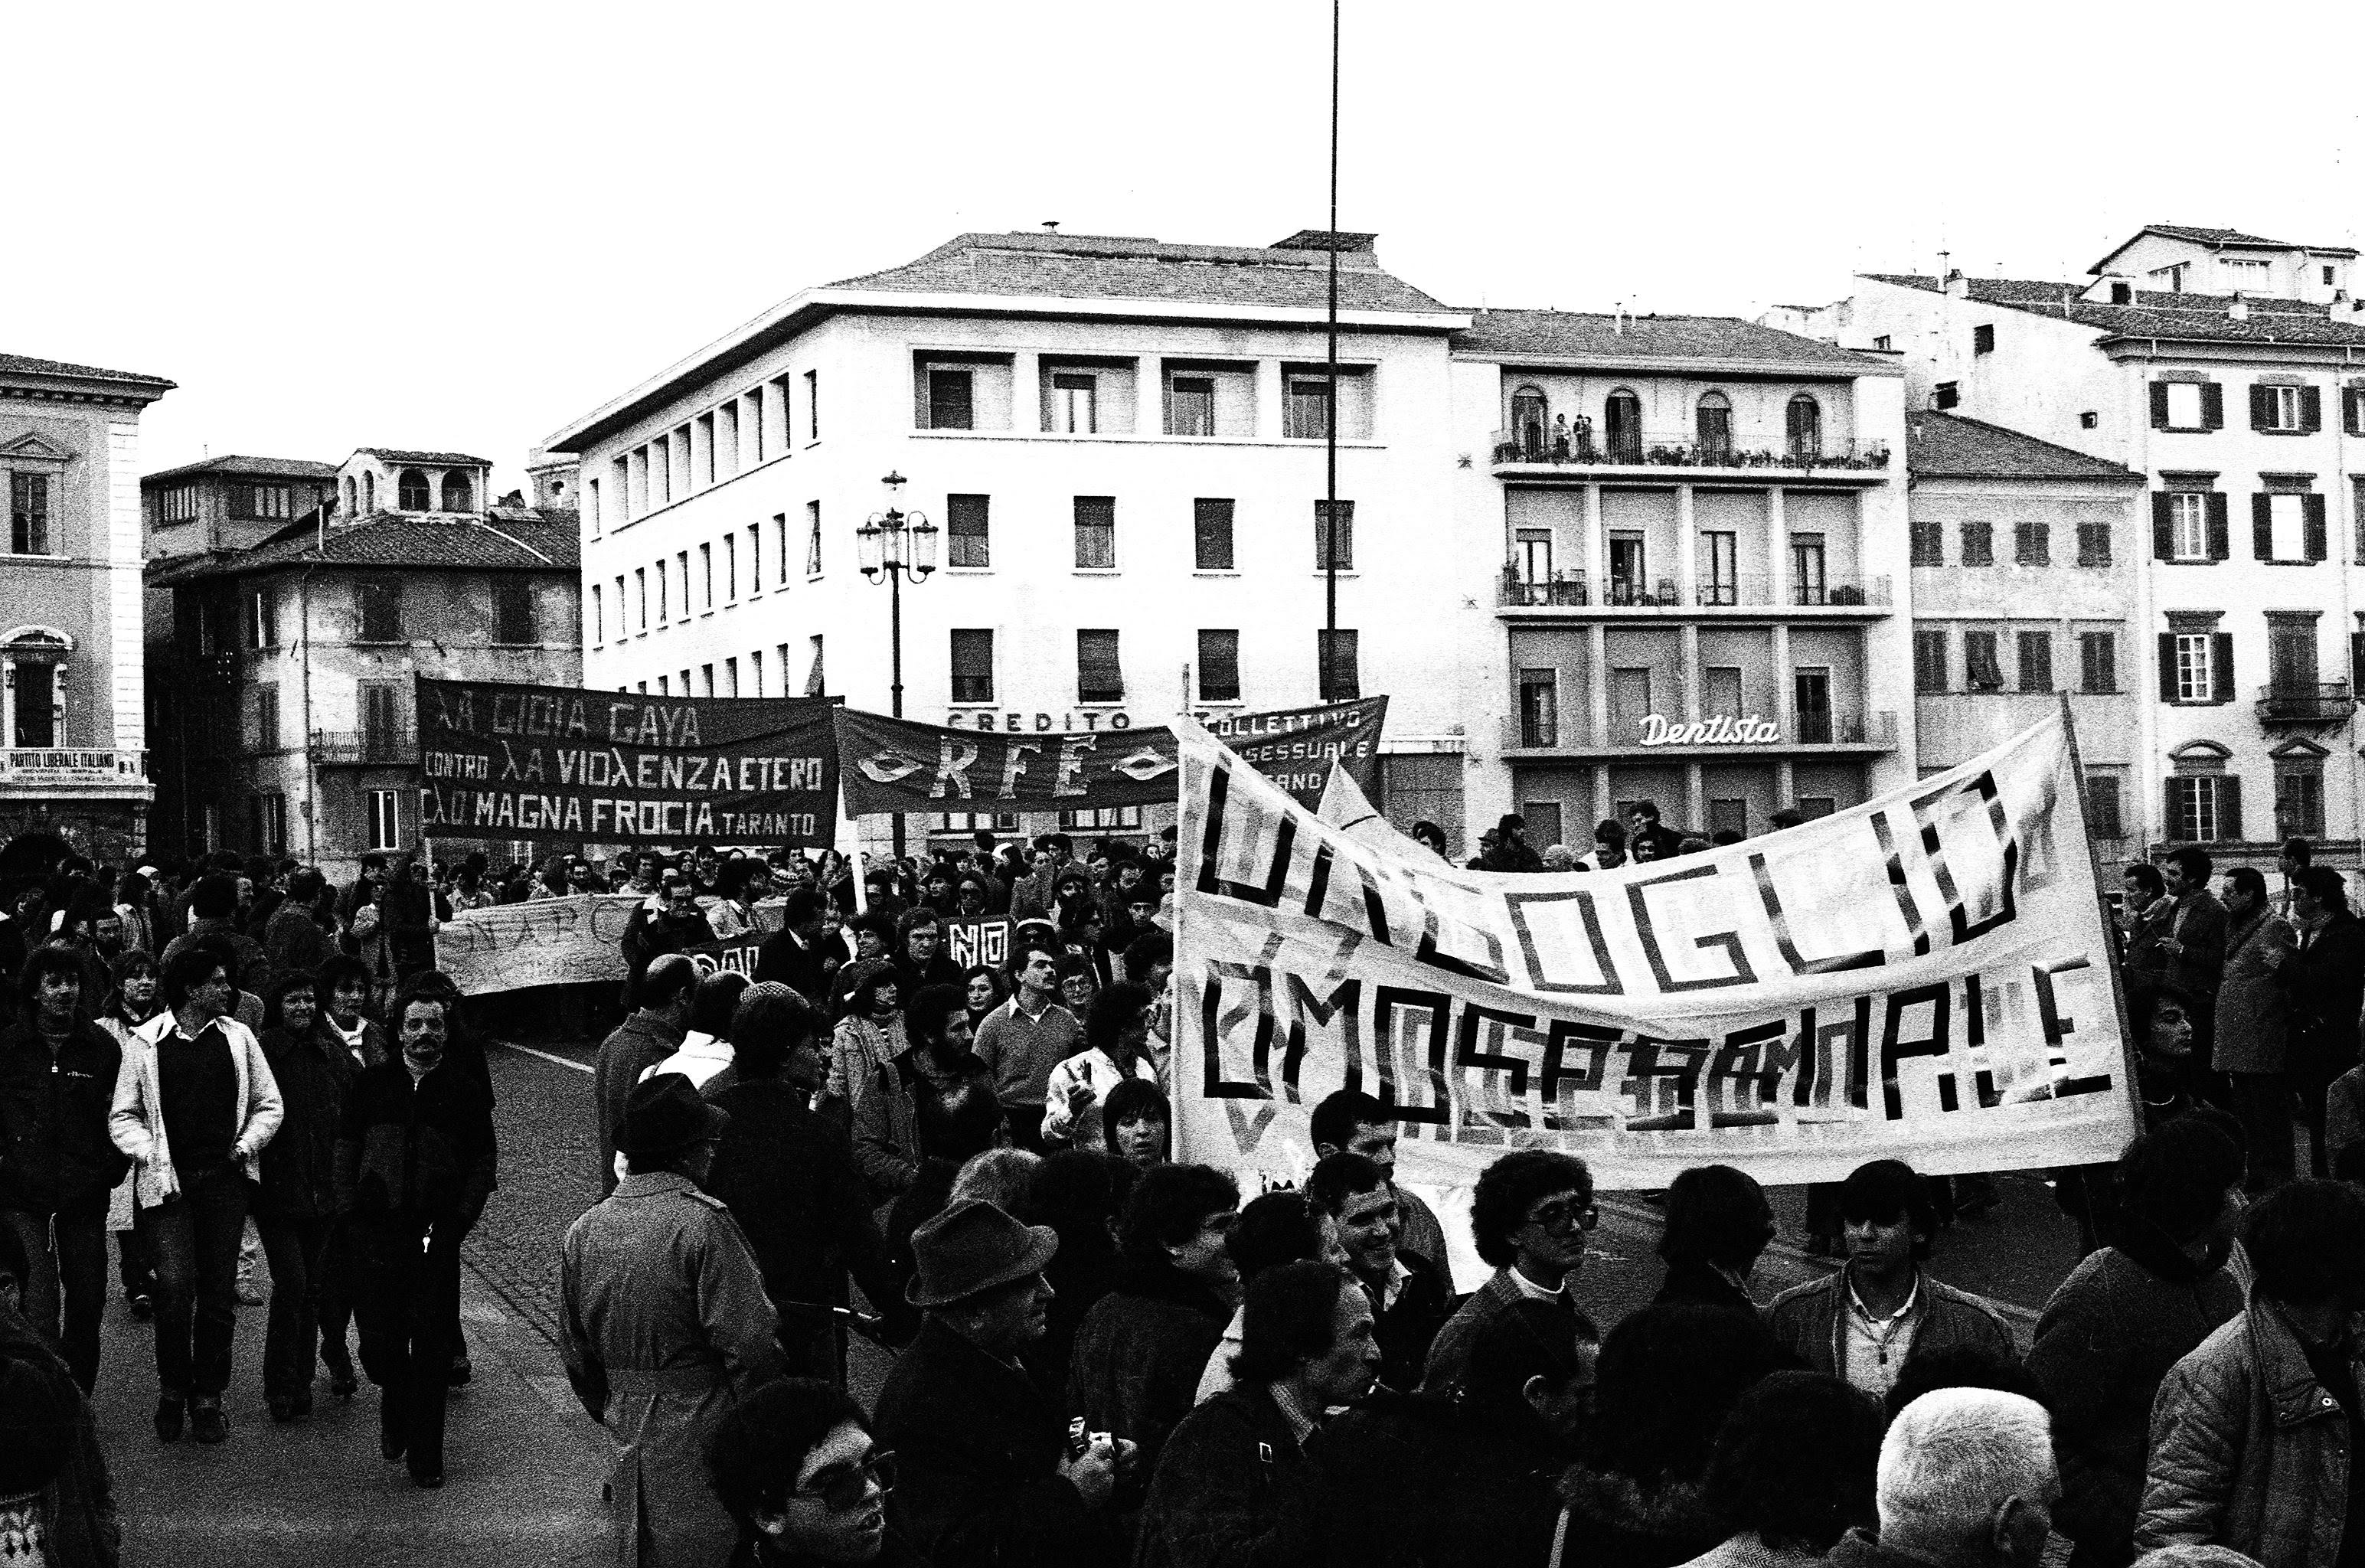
x=569, y=941
x=1927, y=977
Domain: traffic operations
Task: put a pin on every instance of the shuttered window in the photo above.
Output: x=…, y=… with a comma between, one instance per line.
x=1095, y=531
x=1099, y=676
x=1980, y=669
x=1337, y=654
x=1339, y=537
x=1219, y=666
x=2035, y=651
x=972, y=665
x=1211, y=535
x=2098, y=662
x=966, y=543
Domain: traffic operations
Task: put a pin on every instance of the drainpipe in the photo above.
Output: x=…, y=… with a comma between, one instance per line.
x=311, y=756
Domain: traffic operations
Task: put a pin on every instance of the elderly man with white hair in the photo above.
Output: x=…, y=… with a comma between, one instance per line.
x=1966, y=1481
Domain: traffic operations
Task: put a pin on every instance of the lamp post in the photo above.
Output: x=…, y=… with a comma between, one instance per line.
x=893, y=542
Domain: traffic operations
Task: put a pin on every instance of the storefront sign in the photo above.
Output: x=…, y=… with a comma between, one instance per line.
x=1722, y=730
x=1040, y=723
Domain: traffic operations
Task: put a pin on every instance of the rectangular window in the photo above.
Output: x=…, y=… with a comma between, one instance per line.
x=2299, y=801
x=966, y=538
x=599, y=616
x=1979, y=545
x=385, y=819
x=781, y=544
x=664, y=597
x=1983, y=338
x=972, y=665
x=705, y=681
x=1341, y=665
x=512, y=609
x=813, y=405
x=1190, y=405
x=701, y=451
x=2035, y=661
x=1075, y=403
x=812, y=539
x=2032, y=543
x=1097, y=532
x=263, y=618
x=1539, y=707
x=730, y=677
x=1808, y=583
x=705, y=577
x=816, y=683
x=2103, y=817
x=264, y=502
x=730, y=568
x=727, y=440
x=1929, y=544
x=1929, y=660
x=681, y=562
x=2188, y=525
x=1720, y=568
x=1334, y=536
x=1306, y=408
x=1946, y=395
x=2093, y=543
x=1219, y=665
x=28, y=514
x=2098, y=662
x=2183, y=405
x=591, y=505
x=2196, y=813
x=179, y=504
x=2278, y=408
x=271, y=822
x=950, y=406
x=1099, y=675
x=381, y=611
x=755, y=559
x=641, y=578
x=1211, y=533
x=266, y=718
x=1981, y=670
x=2195, y=666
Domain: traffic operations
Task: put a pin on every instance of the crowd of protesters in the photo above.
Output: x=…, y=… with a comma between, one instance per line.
x=1104, y=1356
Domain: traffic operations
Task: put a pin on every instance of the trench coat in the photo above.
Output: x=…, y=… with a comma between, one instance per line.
x=665, y=1327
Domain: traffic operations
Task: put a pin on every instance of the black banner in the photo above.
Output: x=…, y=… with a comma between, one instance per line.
x=554, y=763
x=1295, y=746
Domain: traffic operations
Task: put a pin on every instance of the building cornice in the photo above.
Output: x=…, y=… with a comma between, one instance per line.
x=1730, y=370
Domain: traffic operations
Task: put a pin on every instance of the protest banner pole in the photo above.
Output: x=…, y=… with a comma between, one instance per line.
x=2128, y=1049
x=427, y=853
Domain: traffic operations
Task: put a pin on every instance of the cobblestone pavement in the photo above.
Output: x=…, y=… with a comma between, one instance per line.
x=549, y=1174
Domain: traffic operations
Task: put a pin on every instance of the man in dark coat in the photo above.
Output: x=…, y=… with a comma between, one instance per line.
x=2192, y=939
x=788, y=1175
x=647, y=1037
x=2326, y=976
x=57, y=1162
x=794, y=955
x=987, y=1472
x=1235, y=1489
x=920, y=956
x=1988, y=1508
x=1408, y=1295
x=77, y=1506
x=674, y=923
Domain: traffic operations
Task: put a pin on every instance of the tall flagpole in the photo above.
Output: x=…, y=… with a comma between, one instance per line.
x=1331, y=411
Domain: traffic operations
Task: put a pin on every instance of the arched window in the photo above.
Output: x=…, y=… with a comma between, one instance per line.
x=1805, y=427
x=1713, y=421
x=1622, y=427
x=1529, y=423
x=456, y=496
x=348, y=494
x=411, y=493
x=369, y=492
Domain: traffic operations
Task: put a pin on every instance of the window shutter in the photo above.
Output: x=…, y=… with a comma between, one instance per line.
x=2168, y=667
x=2312, y=515
x=2262, y=407
x=2213, y=406
x=2168, y=824
x=2357, y=662
x=2229, y=808
x=2262, y=527
x=2219, y=545
x=2159, y=405
x=2310, y=409
x=2352, y=409
x=2221, y=665
x=2041, y=535
x=2163, y=525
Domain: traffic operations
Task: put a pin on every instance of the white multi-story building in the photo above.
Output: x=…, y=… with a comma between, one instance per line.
x=2230, y=372
x=1696, y=528
x=1122, y=446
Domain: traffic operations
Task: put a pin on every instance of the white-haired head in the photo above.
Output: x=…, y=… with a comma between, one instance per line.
x=1967, y=1479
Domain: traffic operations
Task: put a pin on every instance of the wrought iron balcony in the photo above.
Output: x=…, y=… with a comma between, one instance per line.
x=2303, y=703
x=1572, y=590
x=388, y=747
x=1685, y=448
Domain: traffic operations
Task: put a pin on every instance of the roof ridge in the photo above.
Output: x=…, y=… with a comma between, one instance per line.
x=537, y=555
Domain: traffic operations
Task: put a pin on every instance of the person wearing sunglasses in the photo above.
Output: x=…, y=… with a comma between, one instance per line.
x=1529, y=1217
x=794, y=1465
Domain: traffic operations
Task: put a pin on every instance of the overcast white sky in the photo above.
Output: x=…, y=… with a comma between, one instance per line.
x=459, y=225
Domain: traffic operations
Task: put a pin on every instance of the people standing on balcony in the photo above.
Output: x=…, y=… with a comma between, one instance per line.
x=1560, y=438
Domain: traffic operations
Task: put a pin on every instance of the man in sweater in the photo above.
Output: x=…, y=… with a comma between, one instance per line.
x=666, y=993
x=1021, y=1041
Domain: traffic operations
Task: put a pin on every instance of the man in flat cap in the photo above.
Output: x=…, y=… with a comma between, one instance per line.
x=665, y=1326
x=988, y=1474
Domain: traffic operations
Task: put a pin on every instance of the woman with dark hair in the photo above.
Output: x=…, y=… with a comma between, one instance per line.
x=1667, y=1378
x=794, y=1467
x=732, y=914
x=1718, y=1224
x=134, y=1001
x=705, y=1050
x=1140, y=1349
x=1072, y=900
x=983, y=991
x=296, y=1203
x=868, y=1037
x=1793, y=1470
x=135, y=905
x=1138, y=1123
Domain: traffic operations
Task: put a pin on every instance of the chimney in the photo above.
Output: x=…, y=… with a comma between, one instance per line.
x=1958, y=285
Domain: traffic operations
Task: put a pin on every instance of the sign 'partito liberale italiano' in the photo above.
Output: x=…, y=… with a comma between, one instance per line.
x=561, y=764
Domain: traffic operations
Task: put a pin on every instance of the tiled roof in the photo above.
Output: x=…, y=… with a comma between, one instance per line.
x=261, y=468
x=1092, y=267
x=2219, y=237
x=434, y=459
x=1561, y=334
x=514, y=540
x=23, y=365
x=1949, y=446
x=2190, y=318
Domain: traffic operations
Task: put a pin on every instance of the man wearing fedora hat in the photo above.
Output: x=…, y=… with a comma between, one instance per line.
x=665, y=1326
x=988, y=1472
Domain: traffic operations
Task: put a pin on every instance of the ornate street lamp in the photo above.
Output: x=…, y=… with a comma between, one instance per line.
x=890, y=543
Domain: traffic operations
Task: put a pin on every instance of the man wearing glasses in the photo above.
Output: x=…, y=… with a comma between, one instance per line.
x=794, y=1465
x=1529, y=1217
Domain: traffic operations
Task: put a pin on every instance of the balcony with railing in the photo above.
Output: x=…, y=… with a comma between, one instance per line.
x=2304, y=704
x=74, y=770
x=1572, y=590
x=1766, y=455
x=1538, y=736
x=393, y=746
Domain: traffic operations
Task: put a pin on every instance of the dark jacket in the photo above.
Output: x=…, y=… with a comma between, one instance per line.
x=2198, y=926
x=77, y=1509
x=911, y=974
x=1139, y=1354
x=1691, y=1280
x=1234, y=1491
x=1411, y=1481
x=415, y=1154
x=1409, y=1326
x=648, y=937
x=638, y=1043
x=54, y=1148
x=2114, y=1327
x=1859, y=1548
x=253, y=966
x=1808, y=1321
x=2327, y=977
x=293, y=940
x=316, y=1077
x=1614, y=1521
x=788, y=1175
x=978, y=1443
x=797, y=963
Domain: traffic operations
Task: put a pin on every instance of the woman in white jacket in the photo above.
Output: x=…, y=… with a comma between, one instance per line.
x=194, y=1102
